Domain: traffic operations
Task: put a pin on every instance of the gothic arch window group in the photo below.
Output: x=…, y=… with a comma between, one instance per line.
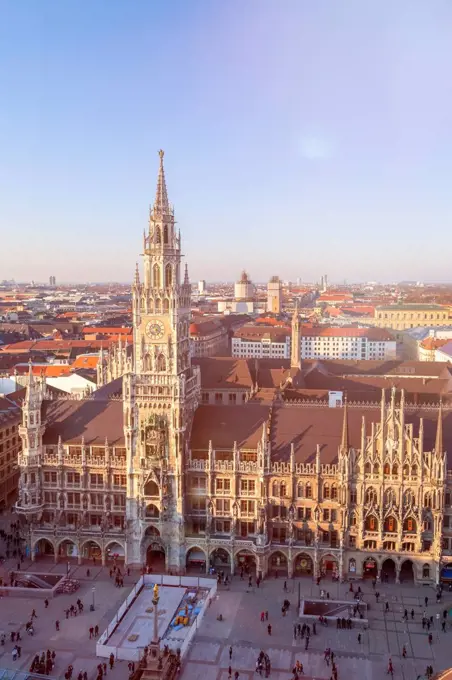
x=371, y=496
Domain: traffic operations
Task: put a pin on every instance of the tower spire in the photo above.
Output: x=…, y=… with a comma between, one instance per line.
x=161, y=204
x=295, y=359
x=439, y=430
x=186, y=279
x=344, y=441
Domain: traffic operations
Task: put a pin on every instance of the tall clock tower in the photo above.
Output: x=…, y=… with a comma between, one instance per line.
x=160, y=394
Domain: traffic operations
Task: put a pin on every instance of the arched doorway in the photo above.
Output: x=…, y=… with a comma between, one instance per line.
x=155, y=558
x=247, y=562
x=44, y=548
x=67, y=550
x=195, y=560
x=220, y=560
x=303, y=565
x=407, y=572
x=370, y=568
x=388, y=571
x=114, y=553
x=328, y=566
x=277, y=564
x=91, y=550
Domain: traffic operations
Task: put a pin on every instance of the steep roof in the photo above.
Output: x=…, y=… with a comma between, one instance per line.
x=225, y=425
x=224, y=372
x=94, y=420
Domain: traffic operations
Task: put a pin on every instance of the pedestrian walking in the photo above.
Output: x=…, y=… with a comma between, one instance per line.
x=387, y=606
x=269, y=628
x=430, y=638
x=426, y=601
x=404, y=652
x=285, y=587
x=230, y=653
x=46, y=603
x=443, y=626
x=57, y=626
x=266, y=615
x=112, y=660
x=262, y=616
x=412, y=614
x=96, y=630
x=91, y=632
x=359, y=638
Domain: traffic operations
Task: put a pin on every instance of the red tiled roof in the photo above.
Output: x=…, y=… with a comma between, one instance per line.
x=94, y=420
x=224, y=372
x=85, y=361
x=225, y=425
x=433, y=343
x=105, y=330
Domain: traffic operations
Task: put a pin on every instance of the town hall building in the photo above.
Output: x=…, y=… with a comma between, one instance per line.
x=203, y=463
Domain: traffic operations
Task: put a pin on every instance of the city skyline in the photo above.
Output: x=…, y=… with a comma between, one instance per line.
x=296, y=142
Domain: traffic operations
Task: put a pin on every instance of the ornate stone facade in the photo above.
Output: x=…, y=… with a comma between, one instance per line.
x=290, y=487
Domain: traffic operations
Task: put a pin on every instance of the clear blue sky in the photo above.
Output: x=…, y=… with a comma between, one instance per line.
x=301, y=137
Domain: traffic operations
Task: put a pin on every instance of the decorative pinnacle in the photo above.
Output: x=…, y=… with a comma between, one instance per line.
x=186, y=279
x=161, y=205
x=137, y=275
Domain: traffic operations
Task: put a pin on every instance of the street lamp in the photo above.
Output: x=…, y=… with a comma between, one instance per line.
x=93, y=603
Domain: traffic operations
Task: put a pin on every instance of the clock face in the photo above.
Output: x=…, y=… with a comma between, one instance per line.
x=155, y=330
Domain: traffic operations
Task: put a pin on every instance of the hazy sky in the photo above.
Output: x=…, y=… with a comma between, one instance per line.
x=302, y=137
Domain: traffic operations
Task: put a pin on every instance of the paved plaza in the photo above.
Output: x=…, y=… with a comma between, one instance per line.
x=208, y=658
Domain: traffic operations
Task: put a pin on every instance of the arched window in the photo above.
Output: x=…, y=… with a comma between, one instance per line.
x=389, y=497
x=406, y=470
x=414, y=471
x=326, y=491
x=282, y=491
x=409, y=525
x=371, y=523
x=386, y=469
x=158, y=235
x=426, y=571
x=395, y=469
x=165, y=234
x=352, y=519
x=147, y=362
x=428, y=500
x=352, y=565
x=390, y=524
x=168, y=276
x=376, y=469
x=367, y=469
x=156, y=276
x=334, y=492
x=447, y=499
x=408, y=498
x=275, y=489
x=158, y=306
x=300, y=490
x=371, y=496
x=165, y=305
x=308, y=490
x=161, y=363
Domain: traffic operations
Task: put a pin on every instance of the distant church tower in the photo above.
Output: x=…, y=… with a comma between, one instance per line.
x=160, y=394
x=295, y=356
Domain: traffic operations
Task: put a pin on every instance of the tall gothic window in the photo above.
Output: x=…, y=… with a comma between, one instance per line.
x=156, y=276
x=168, y=276
x=147, y=362
x=158, y=235
x=161, y=363
x=165, y=305
x=165, y=234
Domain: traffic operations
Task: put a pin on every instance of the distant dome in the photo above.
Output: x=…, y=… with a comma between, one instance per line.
x=244, y=277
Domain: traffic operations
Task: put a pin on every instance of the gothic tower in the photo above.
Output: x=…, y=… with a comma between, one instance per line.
x=160, y=393
x=295, y=356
